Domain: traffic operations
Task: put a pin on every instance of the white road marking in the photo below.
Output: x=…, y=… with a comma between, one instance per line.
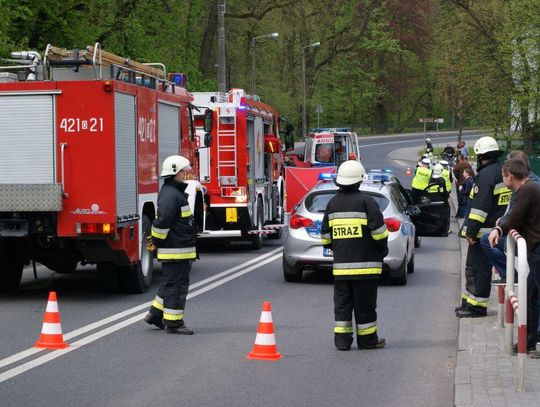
x=259, y=261
x=411, y=141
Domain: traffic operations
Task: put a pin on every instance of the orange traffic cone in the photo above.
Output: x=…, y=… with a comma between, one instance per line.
x=408, y=172
x=265, y=342
x=51, y=333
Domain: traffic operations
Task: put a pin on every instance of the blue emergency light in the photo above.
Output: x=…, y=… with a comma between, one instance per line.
x=178, y=79
x=327, y=176
x=379, y=175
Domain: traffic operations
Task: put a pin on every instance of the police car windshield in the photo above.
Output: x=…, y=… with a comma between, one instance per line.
x=316, y=202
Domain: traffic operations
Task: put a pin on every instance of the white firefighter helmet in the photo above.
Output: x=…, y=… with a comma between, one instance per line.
x=428, y=139
x=173, y=164
x=349, y=173
x=485, y=144
x=437, y=170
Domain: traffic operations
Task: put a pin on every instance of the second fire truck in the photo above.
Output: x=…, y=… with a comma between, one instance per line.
x=242, y=170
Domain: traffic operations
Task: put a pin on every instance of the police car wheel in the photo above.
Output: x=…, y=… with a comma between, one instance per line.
x=291, y=274
x=417, y=241
x=410, y=265
x=402, y=278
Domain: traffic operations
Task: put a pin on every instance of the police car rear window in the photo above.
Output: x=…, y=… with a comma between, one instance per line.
x=316, y=202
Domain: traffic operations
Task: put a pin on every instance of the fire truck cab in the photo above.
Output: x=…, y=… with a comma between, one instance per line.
x=330, y=147
x=83, y=134
x=241, y=170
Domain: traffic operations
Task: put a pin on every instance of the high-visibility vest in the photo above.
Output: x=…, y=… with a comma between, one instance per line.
x=446, y=176
x=421, y=178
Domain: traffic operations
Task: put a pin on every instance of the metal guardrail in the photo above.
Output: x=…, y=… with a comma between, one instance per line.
x=516, y=304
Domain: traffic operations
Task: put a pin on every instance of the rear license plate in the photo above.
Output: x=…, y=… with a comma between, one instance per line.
x=328, y=253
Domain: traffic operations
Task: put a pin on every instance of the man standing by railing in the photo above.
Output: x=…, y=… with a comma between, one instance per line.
x=489, y=200
x=525, y=218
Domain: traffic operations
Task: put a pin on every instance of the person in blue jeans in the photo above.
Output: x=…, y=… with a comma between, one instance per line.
x=497, y=253
x=464, y=192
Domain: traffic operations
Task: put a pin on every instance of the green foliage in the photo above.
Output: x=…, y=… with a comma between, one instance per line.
x=375, y=68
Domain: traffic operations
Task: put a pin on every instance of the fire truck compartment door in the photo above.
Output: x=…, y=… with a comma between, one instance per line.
x=27, y=139
x=250, y=124
x=126, y=159
x=169, y=132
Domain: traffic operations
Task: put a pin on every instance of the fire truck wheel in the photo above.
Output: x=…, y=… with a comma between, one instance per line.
x=281, y=220
x=61, y=268
x=138, y=277
x=108, y=277
x=11, y=267
x=256, y=240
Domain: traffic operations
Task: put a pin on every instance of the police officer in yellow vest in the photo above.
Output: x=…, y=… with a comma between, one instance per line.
x=353, y=227
x=175, y=234
x=490, y=196
x=421, y=180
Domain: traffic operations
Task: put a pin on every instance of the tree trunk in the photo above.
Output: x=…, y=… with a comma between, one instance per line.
x=381, y=117
x=526, y=131
x=210, y=32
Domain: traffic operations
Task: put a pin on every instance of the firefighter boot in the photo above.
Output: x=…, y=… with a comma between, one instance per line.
x=467, y=313
x=181, y=329
x=155, y=320
x=343, y=341
x=379, y=344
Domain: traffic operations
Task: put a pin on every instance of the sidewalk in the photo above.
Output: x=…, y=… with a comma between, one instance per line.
x=485, y=375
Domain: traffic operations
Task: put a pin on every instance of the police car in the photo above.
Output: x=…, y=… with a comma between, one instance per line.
x=302, y=249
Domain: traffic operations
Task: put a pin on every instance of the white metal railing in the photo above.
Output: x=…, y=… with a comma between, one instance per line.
x=516, y=304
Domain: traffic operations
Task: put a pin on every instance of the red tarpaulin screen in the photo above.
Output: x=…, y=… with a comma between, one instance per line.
x=299, y=181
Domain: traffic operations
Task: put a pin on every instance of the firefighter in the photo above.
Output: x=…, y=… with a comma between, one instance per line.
x=353, y=227
x=175, y=234
x=489, y=198
x=421, y=180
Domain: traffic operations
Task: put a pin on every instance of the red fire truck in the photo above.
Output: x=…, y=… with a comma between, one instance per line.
x=241, y=172
x=83, y=134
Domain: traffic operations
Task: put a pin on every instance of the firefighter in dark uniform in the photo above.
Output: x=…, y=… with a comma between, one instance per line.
x=489, y=198
x=438, y=192
x=175, y=234
x=353, y=227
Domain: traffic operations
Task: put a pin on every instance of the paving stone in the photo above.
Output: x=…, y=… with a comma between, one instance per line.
x=463, y=394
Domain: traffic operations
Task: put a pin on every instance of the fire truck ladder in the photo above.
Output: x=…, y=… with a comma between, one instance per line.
x=226, y=147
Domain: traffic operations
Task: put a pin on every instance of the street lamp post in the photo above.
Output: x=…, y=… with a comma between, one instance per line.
x=272, y=35
x=315, y=44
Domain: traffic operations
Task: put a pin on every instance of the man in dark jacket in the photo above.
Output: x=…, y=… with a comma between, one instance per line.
x=490, y=196
x=525, y=218
x=175, y=235
x=353, y=227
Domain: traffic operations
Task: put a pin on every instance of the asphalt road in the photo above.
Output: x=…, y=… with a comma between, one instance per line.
x=115, y=359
